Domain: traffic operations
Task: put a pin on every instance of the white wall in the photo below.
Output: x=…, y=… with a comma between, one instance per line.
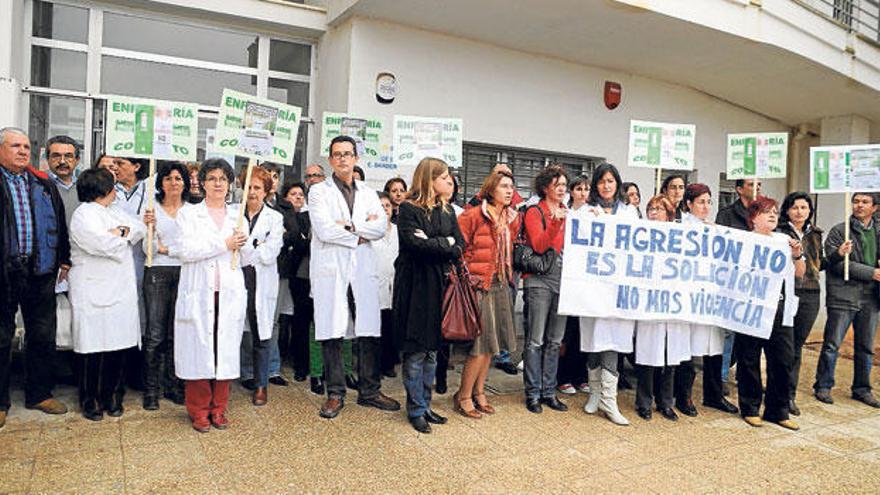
x=513, y=98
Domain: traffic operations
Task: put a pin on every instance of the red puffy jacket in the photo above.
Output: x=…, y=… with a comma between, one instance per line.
x=481, y=244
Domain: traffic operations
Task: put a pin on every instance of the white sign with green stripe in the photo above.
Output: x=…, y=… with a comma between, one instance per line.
x=140, y=128
x=661, y=145
x=841, y=169
x=762, y=155
x=257, y=128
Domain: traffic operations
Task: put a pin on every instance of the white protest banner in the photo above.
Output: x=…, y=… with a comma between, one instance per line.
x=644, y=270
x=761, y=155
x=256, y=128
x=841, y=169
x=373, y=139
x=139, y=128
x=661, y=145
x=419, y=137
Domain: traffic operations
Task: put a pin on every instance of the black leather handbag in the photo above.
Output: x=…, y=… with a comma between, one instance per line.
x=525, y=259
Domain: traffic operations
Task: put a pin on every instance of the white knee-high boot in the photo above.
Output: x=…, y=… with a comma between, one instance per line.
x=608, y=401
x=595, y=378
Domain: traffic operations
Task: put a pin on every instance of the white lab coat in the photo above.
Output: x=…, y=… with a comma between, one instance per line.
x=608, y=334
x=338, y=261
x=103, y=291
x=662, y=343
x=386, y=250
x=202, y=249
x=269, y=234
x=706, y=340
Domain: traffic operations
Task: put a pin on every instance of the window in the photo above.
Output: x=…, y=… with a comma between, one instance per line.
x=60, y=22
x=151, y=56
x=479, y=159
x=123, y=76
x=179, y=40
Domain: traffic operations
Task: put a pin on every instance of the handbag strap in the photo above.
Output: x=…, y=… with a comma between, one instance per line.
x=520, y=236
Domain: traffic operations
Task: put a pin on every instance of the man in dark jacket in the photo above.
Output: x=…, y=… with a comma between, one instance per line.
x=735, y=214
x=852, y=301
x=34, y=253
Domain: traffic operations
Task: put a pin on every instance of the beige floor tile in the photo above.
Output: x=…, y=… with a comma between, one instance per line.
x=157, y=430
x=115, y=486
x=103, y=435
x=202, y=480
x=20, y=443
x=15, y=475
x=75, y=469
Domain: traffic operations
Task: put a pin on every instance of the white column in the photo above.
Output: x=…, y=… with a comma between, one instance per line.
x=11, y=35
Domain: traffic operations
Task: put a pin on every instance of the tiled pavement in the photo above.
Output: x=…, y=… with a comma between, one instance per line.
x=286, y=448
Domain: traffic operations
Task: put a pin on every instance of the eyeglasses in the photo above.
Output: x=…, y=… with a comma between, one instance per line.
x=59, y=156
x=314, y=176
x=220, y=179
x=337, y=155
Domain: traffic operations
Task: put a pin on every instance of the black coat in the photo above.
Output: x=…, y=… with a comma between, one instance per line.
x=420, y=275
x=297, y=241
x=733, y=215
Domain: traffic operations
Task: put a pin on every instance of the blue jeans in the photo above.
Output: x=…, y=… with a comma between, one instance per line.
x=541, y=355
x=726, y=355
x=418, y=377
x=864, y=322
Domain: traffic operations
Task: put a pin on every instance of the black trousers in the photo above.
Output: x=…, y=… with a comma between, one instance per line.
x=368, y=351
x=779, y=352
x=102, y=379
x=35, y=295
x=572, y=362
x=160, y=297
x=390, y=357
x=808, y=310
x=655, y=385
x=303, y=315
x=713, y=388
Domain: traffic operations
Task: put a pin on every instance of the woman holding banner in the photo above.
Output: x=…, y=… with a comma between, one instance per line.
x=211, y=299
x=544, y=230
x=604, y=338
x=660, y=345
x=573, y=362
x=706, y=340
x=796, y=220
x=779, y=348
x=160, y=286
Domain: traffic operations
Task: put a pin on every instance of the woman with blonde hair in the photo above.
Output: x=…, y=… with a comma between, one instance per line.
x=488, y=231
x=430, y=241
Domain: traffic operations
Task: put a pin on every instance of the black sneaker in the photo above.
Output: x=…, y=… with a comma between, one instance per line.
x=507, y=367
x=824, y=396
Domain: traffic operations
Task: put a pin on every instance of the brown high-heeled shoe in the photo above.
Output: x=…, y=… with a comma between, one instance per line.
x=468, y=413
x=483, y=407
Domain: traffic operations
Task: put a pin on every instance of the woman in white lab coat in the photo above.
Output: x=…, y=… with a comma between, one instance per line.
x=211, y=299
x=260, y=269
x=603, y=338
x=706, y=340
x=386, y=250
x=103, y=292
x=660, y=345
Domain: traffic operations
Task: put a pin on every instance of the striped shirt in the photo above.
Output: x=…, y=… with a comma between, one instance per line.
x=21, y=208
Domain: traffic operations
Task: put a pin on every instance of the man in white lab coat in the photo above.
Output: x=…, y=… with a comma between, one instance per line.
x=346, y=215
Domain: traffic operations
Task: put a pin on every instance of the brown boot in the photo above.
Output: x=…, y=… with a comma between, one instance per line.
x=50, y=406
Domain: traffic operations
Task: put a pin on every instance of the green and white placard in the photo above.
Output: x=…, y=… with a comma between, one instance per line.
x=419, y=137
x=140, y=128
x=257, y=128
x=371, y=134
x=841, y=169
x=661, y=145
x=762, y=155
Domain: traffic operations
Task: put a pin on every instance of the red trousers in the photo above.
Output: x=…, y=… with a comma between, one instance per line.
x=204, y=397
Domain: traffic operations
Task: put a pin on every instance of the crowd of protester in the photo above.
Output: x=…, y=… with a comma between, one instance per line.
x=180, y=294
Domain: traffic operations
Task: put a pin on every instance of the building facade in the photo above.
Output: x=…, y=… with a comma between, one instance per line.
x=526, y=77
